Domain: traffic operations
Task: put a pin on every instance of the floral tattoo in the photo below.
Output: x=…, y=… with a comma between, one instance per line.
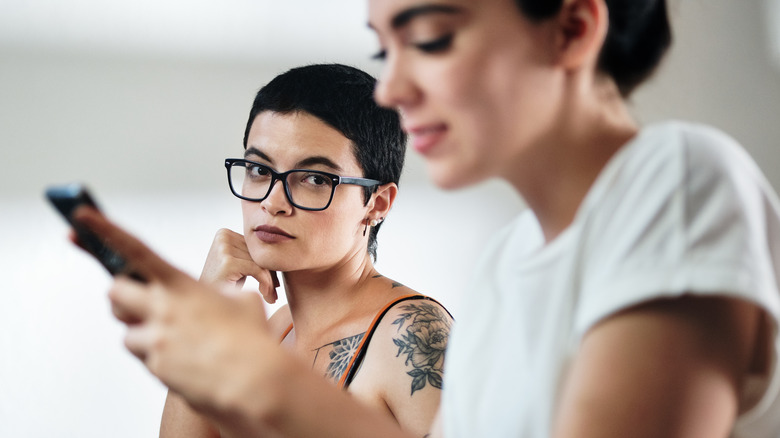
x=423, y=343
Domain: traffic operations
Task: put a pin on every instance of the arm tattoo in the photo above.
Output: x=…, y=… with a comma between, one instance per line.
x=423, y=343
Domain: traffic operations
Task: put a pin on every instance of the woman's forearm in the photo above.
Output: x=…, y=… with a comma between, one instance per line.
x=179, y=420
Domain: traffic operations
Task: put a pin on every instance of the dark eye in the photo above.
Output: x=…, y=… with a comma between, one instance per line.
x=380, y=55
x=437, y=45
x=316, y=179
x=255, y=170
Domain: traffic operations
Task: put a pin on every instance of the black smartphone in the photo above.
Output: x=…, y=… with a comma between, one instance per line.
x=65, y=199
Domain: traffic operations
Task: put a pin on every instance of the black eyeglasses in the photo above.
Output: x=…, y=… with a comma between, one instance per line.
x=306, y=189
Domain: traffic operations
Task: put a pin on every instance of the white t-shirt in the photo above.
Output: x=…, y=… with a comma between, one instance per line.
x=679, y=209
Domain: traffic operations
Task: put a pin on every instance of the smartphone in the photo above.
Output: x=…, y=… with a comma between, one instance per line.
x=66, y=198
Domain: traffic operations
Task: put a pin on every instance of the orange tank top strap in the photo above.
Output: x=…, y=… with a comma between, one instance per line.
x=286, y=332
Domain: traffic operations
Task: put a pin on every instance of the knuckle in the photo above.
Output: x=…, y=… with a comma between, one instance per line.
x=223, y=235
x=157, y=342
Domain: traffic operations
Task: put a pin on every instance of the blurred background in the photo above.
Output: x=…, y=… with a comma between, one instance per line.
x=142, y=100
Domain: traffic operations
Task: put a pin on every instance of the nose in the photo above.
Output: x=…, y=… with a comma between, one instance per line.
x=276, y=202
x=395, y=87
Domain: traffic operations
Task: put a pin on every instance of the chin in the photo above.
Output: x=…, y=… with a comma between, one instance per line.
x=270, y=261
x=450, y=178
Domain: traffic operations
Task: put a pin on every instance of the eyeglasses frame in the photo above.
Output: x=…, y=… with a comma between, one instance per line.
x=282, y=176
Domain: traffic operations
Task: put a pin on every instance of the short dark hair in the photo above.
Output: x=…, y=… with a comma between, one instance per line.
x=342, y=97
x=638, y=37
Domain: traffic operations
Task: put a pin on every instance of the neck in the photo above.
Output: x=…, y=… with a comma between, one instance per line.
x=321, y=299
x=555, y=179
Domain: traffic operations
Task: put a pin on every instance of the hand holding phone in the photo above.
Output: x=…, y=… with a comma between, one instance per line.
x=66, y=198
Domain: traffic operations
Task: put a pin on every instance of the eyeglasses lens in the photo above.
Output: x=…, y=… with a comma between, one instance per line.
x=306, y=188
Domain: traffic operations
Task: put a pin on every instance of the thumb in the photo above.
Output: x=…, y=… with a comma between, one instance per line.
x=268, y=281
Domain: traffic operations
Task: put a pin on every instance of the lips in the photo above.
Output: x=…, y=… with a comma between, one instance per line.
x=424, y=138
x=270, y=234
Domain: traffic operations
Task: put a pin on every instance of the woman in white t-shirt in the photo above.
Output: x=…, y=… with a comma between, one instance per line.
x=637, y=297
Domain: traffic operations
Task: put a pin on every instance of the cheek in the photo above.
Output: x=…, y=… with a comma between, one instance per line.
x=476, y=131
x=337, y=229
x=326, y=241
x=512, y=107
x=330, y=233
x=249, y=212
x=246, y=212
x=454, y=92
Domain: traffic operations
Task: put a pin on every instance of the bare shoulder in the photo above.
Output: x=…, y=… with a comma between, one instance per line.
x=418, y=331
x=405, y=360
x=280, y=321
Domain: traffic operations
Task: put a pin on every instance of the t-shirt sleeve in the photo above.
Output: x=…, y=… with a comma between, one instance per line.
x=688, y=212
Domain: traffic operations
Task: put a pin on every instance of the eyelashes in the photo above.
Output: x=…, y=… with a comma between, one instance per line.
x=435, y=46
x=380, y=55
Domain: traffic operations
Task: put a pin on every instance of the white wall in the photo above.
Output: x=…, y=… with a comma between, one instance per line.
x=148, y=130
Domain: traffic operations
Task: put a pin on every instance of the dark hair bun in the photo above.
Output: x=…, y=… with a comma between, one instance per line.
x=638, y=37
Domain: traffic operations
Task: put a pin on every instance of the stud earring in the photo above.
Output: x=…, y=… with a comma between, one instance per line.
x=375, y=222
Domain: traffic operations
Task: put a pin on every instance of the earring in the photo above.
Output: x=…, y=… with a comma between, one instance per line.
x=373, y=223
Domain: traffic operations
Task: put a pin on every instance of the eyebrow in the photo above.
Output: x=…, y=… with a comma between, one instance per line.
x=254, y=151
x=404, y=17
x=302, y=164
x=318, y=159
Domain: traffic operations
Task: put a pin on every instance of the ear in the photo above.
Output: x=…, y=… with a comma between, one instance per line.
x=382, y=200
x=582, y=29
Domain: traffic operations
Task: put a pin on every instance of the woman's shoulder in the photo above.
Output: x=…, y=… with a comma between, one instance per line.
x=709, y=161
x=407, y=324
x=404, y=312
x=673, y=160
x=413, y=331
x=396, y=295
x=420, y=329
x=406, y=306
x=404, y=362
x=697, y=146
